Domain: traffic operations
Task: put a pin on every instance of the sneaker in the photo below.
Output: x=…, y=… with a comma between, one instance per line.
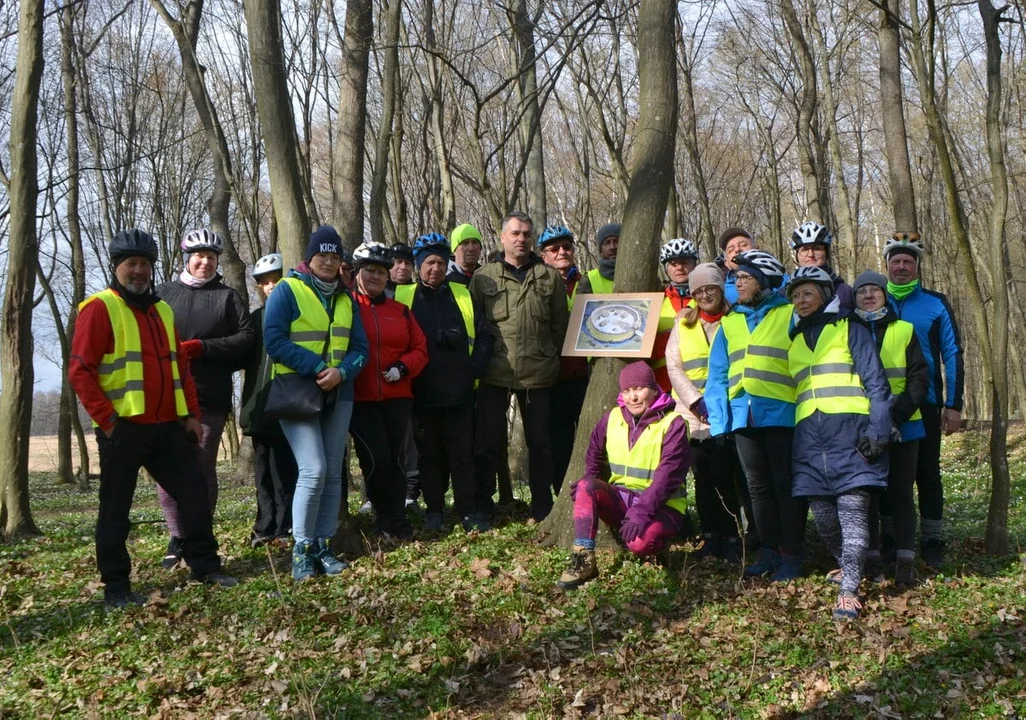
x=256, y=541
x=410, y=502
x=330, y=564
x=304, y=563
x=120, y=599
x=366, y=508
x=769, y=561
x=173, y=556
x=790, y=568
x=582, y=569
x=476, y=521
x=905, y=575
x=847, y=607
x=932, y=552
x=216, y=578
x=432, y=521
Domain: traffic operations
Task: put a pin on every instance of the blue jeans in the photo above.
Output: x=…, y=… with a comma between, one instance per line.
x=318, y=444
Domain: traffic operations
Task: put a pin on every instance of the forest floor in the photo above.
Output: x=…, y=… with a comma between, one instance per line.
x=472, y=626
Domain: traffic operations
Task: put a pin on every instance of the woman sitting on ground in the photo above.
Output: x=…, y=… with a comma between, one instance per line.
x=636, y=462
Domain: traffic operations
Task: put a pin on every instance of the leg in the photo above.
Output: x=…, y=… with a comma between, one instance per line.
x=263, y=473
x=431, y=435
x=659, y=533
x=305, y=440
x=756, y=468
x=396, y=417
x=595, y=500
x=567, y=398
x=334, y=430
x=490, y=432
x=284, y=472
x=792, y=511
x=458, y=439
x=824, y=513
x=928, y=477
x=535, y=407
x=904, y=458
x=374, y=454
x=852, y=512
x=210, y=442
x=119, y=470
x=411, y=461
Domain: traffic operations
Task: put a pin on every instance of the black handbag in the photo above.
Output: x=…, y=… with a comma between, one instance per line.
x=294, y=397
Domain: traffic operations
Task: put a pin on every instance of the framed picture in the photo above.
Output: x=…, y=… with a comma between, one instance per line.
x=614, y=325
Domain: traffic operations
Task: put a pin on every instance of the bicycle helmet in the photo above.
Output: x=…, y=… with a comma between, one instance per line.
x=908, y=242
x=810, y=274
x=767, y=269
x=268, y=264
x=432, y=242
x=202, y=239
x=553, y=233
x=677, y=249
x=403, y=251
x=810, y=233
x=372, y=253
x=132, y=243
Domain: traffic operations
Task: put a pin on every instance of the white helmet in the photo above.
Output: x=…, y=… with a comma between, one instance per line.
x=907, y=241
x=810, y=233
x=677, y=249
x=268, y=264
x=764, y=262
x=202, y=239
x=810, y=274
x=372, y=253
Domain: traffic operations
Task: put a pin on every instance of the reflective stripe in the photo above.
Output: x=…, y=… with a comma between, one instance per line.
x=831, y=392
x=119, y=393
x=895, y=373
x=699, y=384
x=768, y=351
x=631, y=472
x=770, y=376
x=736, y=355
x=695, y=364
x=734, y=380
x=339, y=332
x=299, y=336
x=121, y=362
x=824, y=369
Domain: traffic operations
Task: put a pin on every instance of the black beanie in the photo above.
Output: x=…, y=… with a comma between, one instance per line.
x=731, y=232
x=324, y=239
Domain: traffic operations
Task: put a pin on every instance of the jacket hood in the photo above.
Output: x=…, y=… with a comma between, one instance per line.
x=772, y=300
x=659, y=407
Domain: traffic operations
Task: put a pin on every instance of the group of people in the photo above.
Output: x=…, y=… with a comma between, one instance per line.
x=778, y=392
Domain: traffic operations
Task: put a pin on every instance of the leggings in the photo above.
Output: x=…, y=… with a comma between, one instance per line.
x=765, y=455
x=716, y=495
x=897, y=506
x=595, y=500
x=928, y=475
x=843, y=525
x=206, y=452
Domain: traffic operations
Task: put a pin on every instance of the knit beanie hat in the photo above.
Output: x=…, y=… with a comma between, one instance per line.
x=705, y=274
x=638, y=374
x=607, y=231
x=731, y=232
x=462, y=233
x=870, y=277
x=324, y=239
x=424, y=253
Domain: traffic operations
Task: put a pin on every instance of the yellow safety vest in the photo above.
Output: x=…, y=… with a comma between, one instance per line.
x=894, y=358
x=634, y=467
x=599, y=285
x=121, y=371
x=693, y=344
x=758, y=360
x=406, y=293
x=667, y=314
x=313, y=329
x=826, y=376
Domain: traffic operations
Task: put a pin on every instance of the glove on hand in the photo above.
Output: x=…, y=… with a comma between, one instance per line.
x=392, y=374
x=631, y=530
x=191, y=349
x=871, y=449
x=699, y=409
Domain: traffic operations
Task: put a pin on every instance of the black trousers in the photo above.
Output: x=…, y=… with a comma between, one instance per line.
x=567, y=399
x=717, y=496
x=379, y=433
x=765, y=456
x=275, y=474
x=535, y=406
x=928, y=472
x=445, y=441
x=165, y=451
x=897, y=501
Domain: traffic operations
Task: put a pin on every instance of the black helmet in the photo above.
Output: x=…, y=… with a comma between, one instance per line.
x=402, y=251
x=131, y=243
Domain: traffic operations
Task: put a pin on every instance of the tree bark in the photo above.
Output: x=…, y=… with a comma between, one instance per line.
x=806, y=115
x=530, y=117
x=383, y=143
x=651, y=180
x=436, y=119
x=707, y=237
x=892, y=113
x=16, y=344
x=277, y=126
x=347, y=194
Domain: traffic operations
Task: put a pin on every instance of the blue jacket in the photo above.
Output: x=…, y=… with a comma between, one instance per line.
x=279, y=313
x=826, y=461
x=730, y=287
x=725, y=415
x=938, y=337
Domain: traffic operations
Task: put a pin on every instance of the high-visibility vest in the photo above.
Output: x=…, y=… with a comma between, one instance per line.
x=313, y=329
x=693, y=344
x=634, y=467
x=406, y=293
x=894, y=357
x=826, y=376
x=121, y=371
x=667, y=313
x=599, y=285
x=758, y=360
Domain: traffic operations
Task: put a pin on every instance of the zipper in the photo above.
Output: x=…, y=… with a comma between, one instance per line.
x=377, y=352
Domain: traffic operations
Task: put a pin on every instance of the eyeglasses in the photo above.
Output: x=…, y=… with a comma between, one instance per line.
x=868, y=290
x=705, y=291
x=741, y=278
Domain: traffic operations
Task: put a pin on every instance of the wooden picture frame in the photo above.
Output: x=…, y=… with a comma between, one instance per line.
x=613, y=325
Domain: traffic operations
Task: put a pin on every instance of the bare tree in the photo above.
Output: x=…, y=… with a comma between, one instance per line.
x=383, y=143
x=892, y=113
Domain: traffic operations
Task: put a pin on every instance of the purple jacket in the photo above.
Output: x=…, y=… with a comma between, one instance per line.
x=673, y=465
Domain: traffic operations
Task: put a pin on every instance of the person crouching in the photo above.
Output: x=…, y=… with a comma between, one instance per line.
x=637, y=459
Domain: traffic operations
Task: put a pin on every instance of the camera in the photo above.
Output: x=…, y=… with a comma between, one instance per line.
x=449, y=338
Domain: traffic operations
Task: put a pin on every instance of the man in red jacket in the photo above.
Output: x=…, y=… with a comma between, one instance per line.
x=131, y=379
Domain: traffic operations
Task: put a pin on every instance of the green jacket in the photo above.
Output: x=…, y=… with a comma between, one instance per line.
x=528, y=320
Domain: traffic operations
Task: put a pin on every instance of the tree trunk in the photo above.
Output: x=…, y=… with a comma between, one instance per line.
x=389, y=80
x=651, y=180
x=16, y=344
x=806, y=115
x=436, y=120
x=347, y=194
x=892, y=111
x=530, y=113
x=278, y=127
x=707, y=237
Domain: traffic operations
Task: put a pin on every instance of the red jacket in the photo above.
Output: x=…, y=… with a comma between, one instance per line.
x=663, y=335
x=94, y=337
x=393, y=336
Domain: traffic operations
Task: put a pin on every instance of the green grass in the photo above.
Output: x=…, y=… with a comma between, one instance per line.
x=472, y=626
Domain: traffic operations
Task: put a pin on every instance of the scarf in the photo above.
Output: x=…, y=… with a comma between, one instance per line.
x=682, y=288
x=710, y=317
x=872, y=315
x=186, y=278
x=327, y=289
x=607, y=268
x=900, y=292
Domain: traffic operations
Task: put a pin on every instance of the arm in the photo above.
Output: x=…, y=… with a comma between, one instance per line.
x=188, y=383
x=92, y=339
x=279, y=313
x=416, y=356
x=559, y=315
x=870, y=371
x=584, y=285
x=917, y=383
x=596, y=465
x=674, y=462
x=484, y=342
x=951, y=353
x=356, y=354
x=233, y=348
x=679, y=379
x=716, y=400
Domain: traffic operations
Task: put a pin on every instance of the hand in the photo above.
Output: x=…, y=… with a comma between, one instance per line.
x=392, y=374
x=895, y=435
x=951, y=421
x=631, y=530
x=700, y=411
x=689, y=315
x=573, y=490
x=193, y=430
x=871, y=449
x=191, y=349
x=329, y=378
x=110, y=431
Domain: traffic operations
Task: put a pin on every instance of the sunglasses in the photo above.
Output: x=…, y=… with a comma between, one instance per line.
x=907, y=236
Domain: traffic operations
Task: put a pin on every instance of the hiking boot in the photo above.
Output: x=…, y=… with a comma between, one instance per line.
x=173, y=556
x=873, y=569
x=847, y=607
x=769, y=561
x=257, y=541
x=432, y=521
x=730, y=550
x=215, y=578
x=330, y=564
x=120, y=599
x=582, y=569
x=304, y=562
x=905, y=575
x=790, y=568
x=476, y=521
x=932, y=552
